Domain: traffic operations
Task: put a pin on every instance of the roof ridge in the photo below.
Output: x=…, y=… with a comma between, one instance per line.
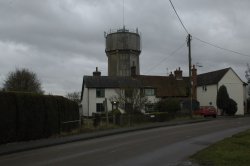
x=212, y=77
x=215, y=71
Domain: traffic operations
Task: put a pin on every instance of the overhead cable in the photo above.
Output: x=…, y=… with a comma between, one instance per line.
x=172, y=53
x=225, y=49
x=178, y=17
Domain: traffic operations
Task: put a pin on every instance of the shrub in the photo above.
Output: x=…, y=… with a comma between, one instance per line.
x=222, y=99
x=231, y=107
x=8, y=117
x=27, y=116
x=161, y=116
x=116, y=112
x=168, y=105
x=97, y=119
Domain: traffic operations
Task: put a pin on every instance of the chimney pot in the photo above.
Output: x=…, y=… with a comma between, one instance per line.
x=96, y=72
x=178, y=74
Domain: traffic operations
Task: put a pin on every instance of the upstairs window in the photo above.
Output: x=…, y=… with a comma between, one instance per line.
x=149, y=92
x=100, y=92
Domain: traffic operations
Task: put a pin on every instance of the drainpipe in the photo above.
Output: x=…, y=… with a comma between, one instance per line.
x=88, y=102
x=216, y=98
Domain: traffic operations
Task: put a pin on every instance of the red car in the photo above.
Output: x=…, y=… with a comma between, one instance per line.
x=206, y=111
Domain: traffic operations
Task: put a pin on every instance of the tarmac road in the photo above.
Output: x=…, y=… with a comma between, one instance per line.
x=166, y=146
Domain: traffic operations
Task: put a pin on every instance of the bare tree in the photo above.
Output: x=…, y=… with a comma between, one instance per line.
x=248, y=73
x=74, y=96
x=23, y=80
x=248, y=77
x=130, y=99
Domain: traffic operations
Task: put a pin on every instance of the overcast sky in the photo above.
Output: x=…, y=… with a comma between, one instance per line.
x=62, y=40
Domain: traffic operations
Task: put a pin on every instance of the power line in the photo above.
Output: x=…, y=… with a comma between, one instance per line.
x=172, y=53
x=178, y=17
x=225, y=49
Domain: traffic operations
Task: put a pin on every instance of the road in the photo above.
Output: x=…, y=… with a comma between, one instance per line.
x=168, y=146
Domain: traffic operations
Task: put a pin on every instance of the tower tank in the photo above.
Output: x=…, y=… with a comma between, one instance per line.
x=123, y=49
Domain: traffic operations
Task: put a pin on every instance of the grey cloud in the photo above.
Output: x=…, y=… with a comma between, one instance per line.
x=62, y=40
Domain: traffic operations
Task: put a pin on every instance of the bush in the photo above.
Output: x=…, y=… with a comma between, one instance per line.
x=231, y=108
x=116, y=116
x=222, y=99
x=160, y=116
x=52, y=117
x=30, y=116
x=27, y=116
x=97, y=119
x=171, y=106
x=248, y=105
x=186, y=105
x=8, y=117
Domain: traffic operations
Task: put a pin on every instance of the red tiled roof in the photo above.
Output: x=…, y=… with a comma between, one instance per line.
x=165, y=86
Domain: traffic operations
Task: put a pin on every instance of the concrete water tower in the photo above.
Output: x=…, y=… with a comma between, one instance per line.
x=123, y=49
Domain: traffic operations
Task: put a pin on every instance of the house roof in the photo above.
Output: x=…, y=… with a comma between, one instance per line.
x=211, y=77
x=111, y=82
x=165, y=86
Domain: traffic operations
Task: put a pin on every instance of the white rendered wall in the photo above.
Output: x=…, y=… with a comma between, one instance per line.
x=89, y=100
x=208, y=96
x=152, y=99
x=235, y=89
x=84, y=102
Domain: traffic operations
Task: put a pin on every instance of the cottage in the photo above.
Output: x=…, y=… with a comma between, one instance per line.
x=209, y=83
x=97, y=88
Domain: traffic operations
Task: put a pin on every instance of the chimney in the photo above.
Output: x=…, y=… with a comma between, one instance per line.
x=178, y=74
x=96, y=72
x=194, y=82
x=133, y=71
x=171, y=75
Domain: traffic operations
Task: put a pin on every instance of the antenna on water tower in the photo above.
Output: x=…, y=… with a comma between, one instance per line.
x=123, y=15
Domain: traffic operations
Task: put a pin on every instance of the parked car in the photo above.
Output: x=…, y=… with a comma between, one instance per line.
x=206, y=111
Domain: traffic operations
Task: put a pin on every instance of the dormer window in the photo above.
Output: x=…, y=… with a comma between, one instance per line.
x=149, y=92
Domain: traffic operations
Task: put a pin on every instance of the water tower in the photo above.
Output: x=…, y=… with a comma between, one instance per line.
x=123, y=49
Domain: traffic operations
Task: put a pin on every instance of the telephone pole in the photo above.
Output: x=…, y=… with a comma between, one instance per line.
x=189, y=38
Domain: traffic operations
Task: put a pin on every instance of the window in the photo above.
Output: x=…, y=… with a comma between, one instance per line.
x=129, y=92
x=99, y=107
x=100, y=92
x=204, y=88
x=149, y=108
x=149, y=92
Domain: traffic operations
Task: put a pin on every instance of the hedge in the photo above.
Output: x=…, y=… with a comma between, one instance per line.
x=27, y=116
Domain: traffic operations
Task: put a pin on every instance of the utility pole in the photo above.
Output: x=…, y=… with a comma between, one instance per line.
x=189, y=38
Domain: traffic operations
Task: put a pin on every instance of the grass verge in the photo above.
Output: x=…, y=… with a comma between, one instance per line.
x=233, y=151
